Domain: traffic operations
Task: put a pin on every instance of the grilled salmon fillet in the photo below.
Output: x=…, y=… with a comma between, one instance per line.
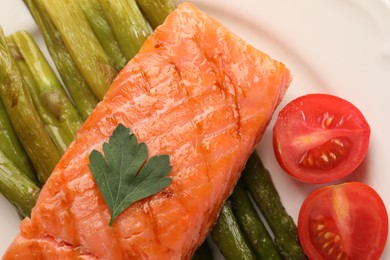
x=196, y=92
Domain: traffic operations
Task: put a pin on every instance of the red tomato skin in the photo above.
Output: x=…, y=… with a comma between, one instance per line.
x=302, y=116
x=354, y=212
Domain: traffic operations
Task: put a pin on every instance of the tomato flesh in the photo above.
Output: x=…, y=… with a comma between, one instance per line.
x=325, y=236
x=327, y=155
x=345, y=221
x=320, y=138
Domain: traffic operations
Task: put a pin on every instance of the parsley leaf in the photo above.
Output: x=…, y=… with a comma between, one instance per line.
x=125, y=175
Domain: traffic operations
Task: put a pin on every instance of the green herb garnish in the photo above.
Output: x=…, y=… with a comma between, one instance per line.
x=125, y=175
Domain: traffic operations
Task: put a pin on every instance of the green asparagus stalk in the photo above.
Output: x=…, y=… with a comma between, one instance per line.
x=259, y=183
x=16, y=187
x=252, y=226
x=103, y=31
x=129, y=25
x=156, y=11
x=92, y=61
x=24, y=117
x=12, y=147
x=229, y=238
x=74, y=81
x=55, y=108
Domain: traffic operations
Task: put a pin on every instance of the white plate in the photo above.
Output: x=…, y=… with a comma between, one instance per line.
x=331, y=46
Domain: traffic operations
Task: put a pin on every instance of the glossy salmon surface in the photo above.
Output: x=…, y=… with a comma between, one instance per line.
x=195, y=92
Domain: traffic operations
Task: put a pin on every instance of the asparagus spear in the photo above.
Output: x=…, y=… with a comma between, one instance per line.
x=24, y=117
x=103, y=31
x=12, y=147
x=128, y=24
x=92, y=61
x=74, y=81
x=229, y=238
x=16, y=187
x=156, y=11
x=258, y=180
x=55, y=108
x=252, y=226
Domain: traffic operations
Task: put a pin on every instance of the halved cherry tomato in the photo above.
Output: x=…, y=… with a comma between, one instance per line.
x=345, y=221
x=320, y=138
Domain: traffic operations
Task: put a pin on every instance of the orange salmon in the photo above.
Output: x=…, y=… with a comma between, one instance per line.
x=196, y=92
